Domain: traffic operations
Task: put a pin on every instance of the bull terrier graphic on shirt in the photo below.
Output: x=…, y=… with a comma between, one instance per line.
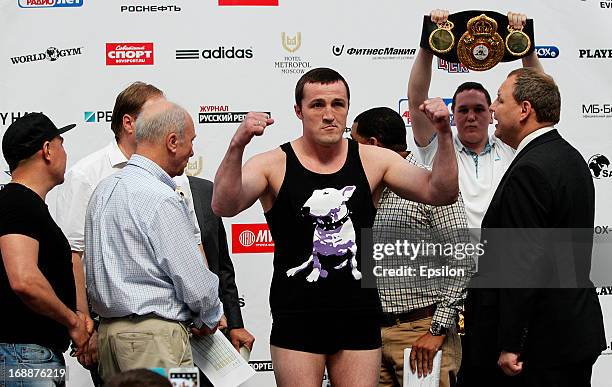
x=334, y=234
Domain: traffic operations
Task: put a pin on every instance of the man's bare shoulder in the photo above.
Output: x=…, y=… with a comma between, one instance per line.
x=268, y=159
x=376, y=154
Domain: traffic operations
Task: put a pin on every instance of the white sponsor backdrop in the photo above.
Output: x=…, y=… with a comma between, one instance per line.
x=79, y=81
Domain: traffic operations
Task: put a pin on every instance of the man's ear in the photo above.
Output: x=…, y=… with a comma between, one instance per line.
x=129, y=124
x=172, y=141
x=526, y=110
x=374, y=141
x=298, y=111
x=46, y=151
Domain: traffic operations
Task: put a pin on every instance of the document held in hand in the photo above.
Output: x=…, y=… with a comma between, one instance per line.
x=430, y=380
x=219, y=361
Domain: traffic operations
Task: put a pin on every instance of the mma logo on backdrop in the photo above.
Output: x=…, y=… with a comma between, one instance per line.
x=129, y=54
x=220, y=114
x=251, y=238
x=292, y=64
x=451, y=67
x=599, y=166
x=49, y=3
x=597, y=110
x=150, y=8
x=98, y=116
x=7, y=118
x=52, y=54
x=220, y=52
x=375, y=53
x=403, y=110
x=256, y=3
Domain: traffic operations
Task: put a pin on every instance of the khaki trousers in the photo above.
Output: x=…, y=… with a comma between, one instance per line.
x=398, y=337
x=141, y=342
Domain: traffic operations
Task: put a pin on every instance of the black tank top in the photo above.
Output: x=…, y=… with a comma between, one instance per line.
x=319, y=217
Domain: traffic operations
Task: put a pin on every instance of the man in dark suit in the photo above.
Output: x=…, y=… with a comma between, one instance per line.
x=214, y=242
x=543, y=324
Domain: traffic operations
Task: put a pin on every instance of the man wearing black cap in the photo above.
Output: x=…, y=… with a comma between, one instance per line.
x=36, y=281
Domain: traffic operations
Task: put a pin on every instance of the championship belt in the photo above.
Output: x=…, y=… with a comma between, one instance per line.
x=485, y=39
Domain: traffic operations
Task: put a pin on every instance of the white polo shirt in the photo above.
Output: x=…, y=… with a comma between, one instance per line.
x=479, y=174
x=80, y=182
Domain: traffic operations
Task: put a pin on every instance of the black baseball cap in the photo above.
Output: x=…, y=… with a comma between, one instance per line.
x=26, y=136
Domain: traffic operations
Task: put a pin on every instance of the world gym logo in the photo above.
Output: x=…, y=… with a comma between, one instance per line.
x=599, y=166
x=52, y=54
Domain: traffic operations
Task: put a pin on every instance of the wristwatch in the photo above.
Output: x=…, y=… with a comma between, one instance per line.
x=436, y=329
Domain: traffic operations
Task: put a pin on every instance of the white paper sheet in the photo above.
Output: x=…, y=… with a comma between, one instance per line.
x=413, y=380
x=220, y=361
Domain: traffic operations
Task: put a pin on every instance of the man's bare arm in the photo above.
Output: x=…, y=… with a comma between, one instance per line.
x=79, y=282
x=518, y=21
x=440, y=186
x=237, y=187
x=418, y=88
x=533, y=61
x=20, y=258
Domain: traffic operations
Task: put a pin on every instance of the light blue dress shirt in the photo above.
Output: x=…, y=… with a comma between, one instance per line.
x=141, y=253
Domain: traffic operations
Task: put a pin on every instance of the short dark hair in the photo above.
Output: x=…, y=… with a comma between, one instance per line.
x=138, y=378
x=471, y=86
x=130, y=101
x=385, y=125
x=540, y=90
x=321, y=75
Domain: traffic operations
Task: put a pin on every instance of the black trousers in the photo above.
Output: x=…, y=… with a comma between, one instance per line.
x=491, y=376
x=567, y=375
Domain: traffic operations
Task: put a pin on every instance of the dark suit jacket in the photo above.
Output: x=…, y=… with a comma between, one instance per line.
x=214, y=241
x=547, y=309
